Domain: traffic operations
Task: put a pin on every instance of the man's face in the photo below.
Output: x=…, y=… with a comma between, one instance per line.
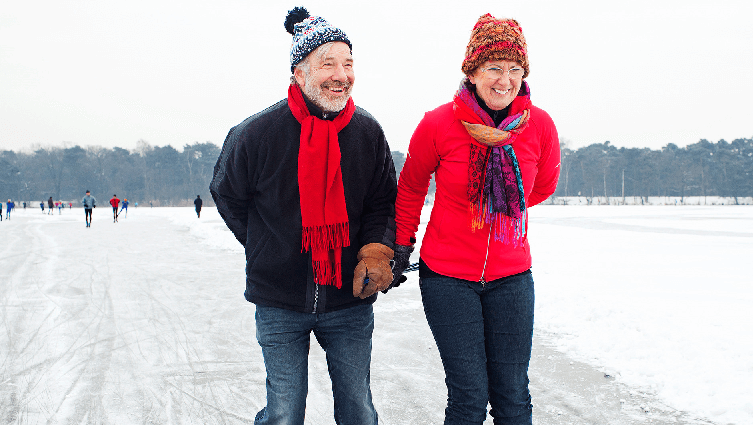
x=329, y=80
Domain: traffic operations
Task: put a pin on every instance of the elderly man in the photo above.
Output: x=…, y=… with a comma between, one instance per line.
x=308, y=187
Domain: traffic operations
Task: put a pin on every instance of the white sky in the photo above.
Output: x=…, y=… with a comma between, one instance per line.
x=639, y=74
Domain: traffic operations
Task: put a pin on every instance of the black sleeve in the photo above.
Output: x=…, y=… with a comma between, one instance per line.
x=231, y=188
x=378, y=220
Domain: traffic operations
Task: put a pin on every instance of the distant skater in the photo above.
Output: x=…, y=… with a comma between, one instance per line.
x=124, y=206
x=198, y=202
x=114, y=202
x=60, y=207
x=1, y=211
x=10, y=205
x=41, y=205
x=50, y=205
x=90, y=203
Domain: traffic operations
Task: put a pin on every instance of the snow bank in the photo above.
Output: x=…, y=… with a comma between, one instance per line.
x=210, y=228
x=650, y=200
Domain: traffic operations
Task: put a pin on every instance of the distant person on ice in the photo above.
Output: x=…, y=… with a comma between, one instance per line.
x=114, y=202
x=10, y=205
x=90, y=203
x=493, y=155
x=313, y=231
x=41, y=205
x=50, y=205
x=124, y=206
x=197, y=203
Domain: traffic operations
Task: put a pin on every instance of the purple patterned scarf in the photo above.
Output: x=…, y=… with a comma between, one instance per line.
x=495, y=185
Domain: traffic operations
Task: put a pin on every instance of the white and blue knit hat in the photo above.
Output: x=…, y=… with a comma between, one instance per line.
x=309, y=32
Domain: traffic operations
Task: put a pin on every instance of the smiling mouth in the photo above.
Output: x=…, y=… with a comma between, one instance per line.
x=503, y=92
x=336, y=89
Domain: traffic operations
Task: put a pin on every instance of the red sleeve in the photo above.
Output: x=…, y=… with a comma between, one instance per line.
x=549, y=162
x=421, y=161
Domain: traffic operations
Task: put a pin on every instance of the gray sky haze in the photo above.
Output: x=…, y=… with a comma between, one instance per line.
x=639, y=73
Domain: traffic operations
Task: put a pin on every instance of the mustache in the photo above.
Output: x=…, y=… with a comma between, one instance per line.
x=329, y=84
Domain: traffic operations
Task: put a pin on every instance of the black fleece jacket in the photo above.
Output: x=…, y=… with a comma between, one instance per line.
x=255, y=188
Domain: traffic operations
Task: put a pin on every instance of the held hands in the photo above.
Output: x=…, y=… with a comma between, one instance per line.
x=374, y=264
x=402, y=261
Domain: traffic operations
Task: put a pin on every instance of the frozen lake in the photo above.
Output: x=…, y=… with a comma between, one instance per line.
x=643, y=315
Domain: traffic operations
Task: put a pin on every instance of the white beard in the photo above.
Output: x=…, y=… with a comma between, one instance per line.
x=316, y=94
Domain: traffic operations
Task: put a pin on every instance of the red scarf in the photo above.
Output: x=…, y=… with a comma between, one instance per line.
x=320, y=185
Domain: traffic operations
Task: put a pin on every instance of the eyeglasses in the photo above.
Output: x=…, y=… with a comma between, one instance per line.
x=497, y=72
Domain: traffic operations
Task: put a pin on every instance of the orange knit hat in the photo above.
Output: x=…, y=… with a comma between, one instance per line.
x=495, y=39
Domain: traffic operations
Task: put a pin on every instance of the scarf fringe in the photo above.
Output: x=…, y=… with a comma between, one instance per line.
x=326, y=237
x=508, y=230
x=327, y=273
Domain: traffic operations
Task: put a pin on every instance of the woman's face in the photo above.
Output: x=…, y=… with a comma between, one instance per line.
x=497, y=82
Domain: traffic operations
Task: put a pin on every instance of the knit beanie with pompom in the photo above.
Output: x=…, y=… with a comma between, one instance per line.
x=309, y=32
x=495, y=39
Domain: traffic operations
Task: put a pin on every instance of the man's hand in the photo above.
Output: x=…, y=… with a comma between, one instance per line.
x=374, y=264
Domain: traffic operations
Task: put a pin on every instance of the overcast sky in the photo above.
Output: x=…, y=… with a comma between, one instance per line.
x=637, y=73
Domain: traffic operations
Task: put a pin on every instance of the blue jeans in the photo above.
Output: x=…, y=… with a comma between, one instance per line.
x=484, y=336
x=345, y=336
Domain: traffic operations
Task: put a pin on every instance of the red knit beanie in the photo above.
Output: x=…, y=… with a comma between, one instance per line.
x=495, y=39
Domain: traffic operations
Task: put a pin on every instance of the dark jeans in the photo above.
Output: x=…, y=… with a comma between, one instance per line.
x=484, y=336
x=345, y=336
x=88, y=215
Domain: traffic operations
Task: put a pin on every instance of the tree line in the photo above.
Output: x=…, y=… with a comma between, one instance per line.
x=165, y=176
x=162, y=176
x=701, y=169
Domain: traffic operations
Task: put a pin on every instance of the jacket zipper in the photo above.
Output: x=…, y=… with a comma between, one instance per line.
x=316, y=298
x=482, y=281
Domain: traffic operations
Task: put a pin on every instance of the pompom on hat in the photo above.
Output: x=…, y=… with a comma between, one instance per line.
x=495, y=39
x=309, y=32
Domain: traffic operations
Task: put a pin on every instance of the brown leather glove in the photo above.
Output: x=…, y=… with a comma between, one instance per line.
x=374, y=264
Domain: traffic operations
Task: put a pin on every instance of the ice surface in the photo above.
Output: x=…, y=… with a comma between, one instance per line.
x=643, y=316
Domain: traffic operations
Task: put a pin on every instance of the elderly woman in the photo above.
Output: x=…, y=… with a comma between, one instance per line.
x=493, y=155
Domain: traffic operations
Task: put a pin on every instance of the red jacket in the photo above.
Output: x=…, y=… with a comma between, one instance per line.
x=441, y=145
x=114, y=202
